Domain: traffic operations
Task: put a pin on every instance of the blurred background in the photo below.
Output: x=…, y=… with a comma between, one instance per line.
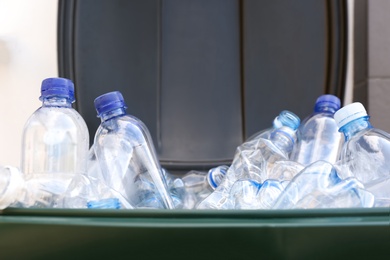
x=29, y=52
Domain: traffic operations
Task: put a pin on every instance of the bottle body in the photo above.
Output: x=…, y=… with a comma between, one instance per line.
x=319, y=186
x=318, y=139
x=366, y=152
x=55, y=141
x=128, y=162
x=198, y=185
x=253, y=161
x=366, y=156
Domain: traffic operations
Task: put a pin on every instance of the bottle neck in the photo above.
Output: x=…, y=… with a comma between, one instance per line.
x=286, y=119
x=113, y=113
x=355, y=126
x=56, y=102
x=282, y=140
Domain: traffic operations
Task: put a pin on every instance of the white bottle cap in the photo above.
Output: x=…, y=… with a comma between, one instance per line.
x=349, y=113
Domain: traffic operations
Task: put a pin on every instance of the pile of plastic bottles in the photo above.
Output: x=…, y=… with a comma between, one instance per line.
x=333, y=159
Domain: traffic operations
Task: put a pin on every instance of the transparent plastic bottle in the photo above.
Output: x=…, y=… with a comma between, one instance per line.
x=285, y=118
x=319, y=186
x=55, y=139
x=16, y=191
x=366, y=151
x=11, y=185
x=317, y=136
x=126, y=155
x=249, y=194
x=198, y=185
x=252, y=163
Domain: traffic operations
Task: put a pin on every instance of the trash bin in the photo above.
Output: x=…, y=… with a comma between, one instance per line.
x=203, y=76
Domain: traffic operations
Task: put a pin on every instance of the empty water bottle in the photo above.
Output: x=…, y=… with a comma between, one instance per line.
x=55, y=139
x=366, y=152
x=317, y=136
x=198, y=185
x=253, y=160
x=285, y=118
x=126, y=155
x=16, y=191
x=320, y=186
x=11, y=185
x=249, y=194
x=89, y=192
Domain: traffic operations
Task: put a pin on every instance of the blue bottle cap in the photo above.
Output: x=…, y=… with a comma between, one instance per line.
x=108, y=102
x=327, y=100
x=287, y=118
x=60, y=87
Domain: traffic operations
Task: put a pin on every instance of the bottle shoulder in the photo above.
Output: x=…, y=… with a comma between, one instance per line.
x=46, y=115
x=370, y=140
x=56, y=118
x=123, y=128
x=318, y=116
x=372, y=133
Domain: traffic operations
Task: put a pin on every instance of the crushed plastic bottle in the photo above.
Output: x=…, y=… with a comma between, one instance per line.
x=54, y=141
x=249, y=194
x=89, y=192
x=253, y=160
x=319, y=186
x=16, y=191
x=11, y=185
x=198, y=185
x=366, y=152
x=126, y=155
x=317, y=136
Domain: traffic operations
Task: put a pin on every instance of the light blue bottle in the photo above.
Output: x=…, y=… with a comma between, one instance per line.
x=126, y=155
x=317, y=136
x=366, y=152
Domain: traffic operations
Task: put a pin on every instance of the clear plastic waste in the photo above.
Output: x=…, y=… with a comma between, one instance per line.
x=126, y=155
x=198, y=185
x=11, y=185
x=42, y=191
x=319, y=186
x=285, y=118
x=89, y=192
x=366, y=152
x=249, y=194
x=55, y=141
x=253, y=161
x=317, y=136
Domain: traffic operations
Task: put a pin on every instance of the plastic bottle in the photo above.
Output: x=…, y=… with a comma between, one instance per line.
x=198, y=185
x=126, y=155
x=319, y=186
x=16, y=191
x=317, y=136
x=11, y=184
x=253, y=162
x=55, y=139
x=366, y=151
x=285, y=118
x=249, y=194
